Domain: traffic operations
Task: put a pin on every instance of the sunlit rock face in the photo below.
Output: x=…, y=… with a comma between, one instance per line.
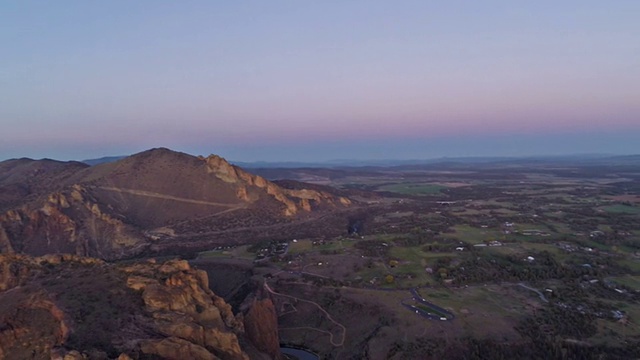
x=68, y=306
x=261, y=327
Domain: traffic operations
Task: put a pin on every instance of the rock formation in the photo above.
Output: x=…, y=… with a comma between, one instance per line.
x=69, y=221
x=301, y=198
x=261, y=327
x=54, y=304
x=140, y=203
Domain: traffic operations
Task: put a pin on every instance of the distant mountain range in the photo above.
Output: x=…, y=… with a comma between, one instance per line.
x=584, y=159
x=103, y=160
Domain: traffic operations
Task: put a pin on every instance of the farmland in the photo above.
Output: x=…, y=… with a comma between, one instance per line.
x=532, y=250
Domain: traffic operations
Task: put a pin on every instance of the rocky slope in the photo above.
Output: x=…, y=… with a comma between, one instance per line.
x=261, y=325
x=69, y=221
x=65, y=305
x=22, y=180
x=152, y=200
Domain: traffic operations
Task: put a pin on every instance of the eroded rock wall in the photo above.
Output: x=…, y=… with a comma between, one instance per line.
x=178, y=316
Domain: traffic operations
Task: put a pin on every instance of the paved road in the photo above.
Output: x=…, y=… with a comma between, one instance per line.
x=419, y=299
x=541, y=295
x=331, y=336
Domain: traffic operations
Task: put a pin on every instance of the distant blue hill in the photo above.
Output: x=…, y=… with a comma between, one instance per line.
x=581, y=159
x=102, y=160
x=585, y=160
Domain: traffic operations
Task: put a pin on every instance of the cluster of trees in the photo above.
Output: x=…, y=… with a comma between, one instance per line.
x=543, y=347
x=416, y=237
x=449, y=245
x=323, y=281
x=580, y=290
x=558, y=321
x=615, y=239
x=496, y=267
x=373, y=248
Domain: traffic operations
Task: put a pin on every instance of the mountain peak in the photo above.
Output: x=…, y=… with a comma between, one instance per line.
x=224, y=171
x=115, y=209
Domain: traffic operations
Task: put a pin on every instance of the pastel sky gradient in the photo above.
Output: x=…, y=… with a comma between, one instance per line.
x=318, y=80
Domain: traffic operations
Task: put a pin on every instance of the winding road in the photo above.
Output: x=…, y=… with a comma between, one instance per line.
x=419, y=299
x=331, y=336
x=541, y=295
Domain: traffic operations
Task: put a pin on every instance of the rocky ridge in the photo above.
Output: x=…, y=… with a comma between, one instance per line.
x=66, y=305
x=302, y=199
x=69, y=221
x=119, y=210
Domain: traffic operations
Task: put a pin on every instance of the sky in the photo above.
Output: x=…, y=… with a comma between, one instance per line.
x=319, y=80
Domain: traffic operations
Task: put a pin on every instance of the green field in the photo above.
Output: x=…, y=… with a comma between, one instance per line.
x=622, y=209
x=561, y=228
x=539, y=247
x=238, y=252
x=415, y=254
x=630, y=281
x=305, y=246
x=430, y=310
x=413, y=189
x=472, y=305
x=214, y=254
x=377, y=271
x=475, y=235
x=610, y=331
x=300, y=246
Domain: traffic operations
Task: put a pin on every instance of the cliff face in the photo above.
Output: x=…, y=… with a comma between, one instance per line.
x=261, y=326
x=69, y=221
x=185, y=310
x=54, y=303
x=293, y=200
x=33, y=320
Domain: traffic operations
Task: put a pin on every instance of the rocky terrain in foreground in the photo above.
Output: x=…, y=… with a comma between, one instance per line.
x=70, y=307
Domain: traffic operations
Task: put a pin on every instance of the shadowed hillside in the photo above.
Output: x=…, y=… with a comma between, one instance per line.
x=158, y=197
x=24, y=179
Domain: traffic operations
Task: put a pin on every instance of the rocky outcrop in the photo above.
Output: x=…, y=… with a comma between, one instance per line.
x=66, y=222
x=17, y=269
x=183, y=307
x=261, y=326
x=174, y=348
x=22, y=179
x=30, y=320
x=43, y=311
x=14, y=270
x=26, y=317
x=293, y=200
